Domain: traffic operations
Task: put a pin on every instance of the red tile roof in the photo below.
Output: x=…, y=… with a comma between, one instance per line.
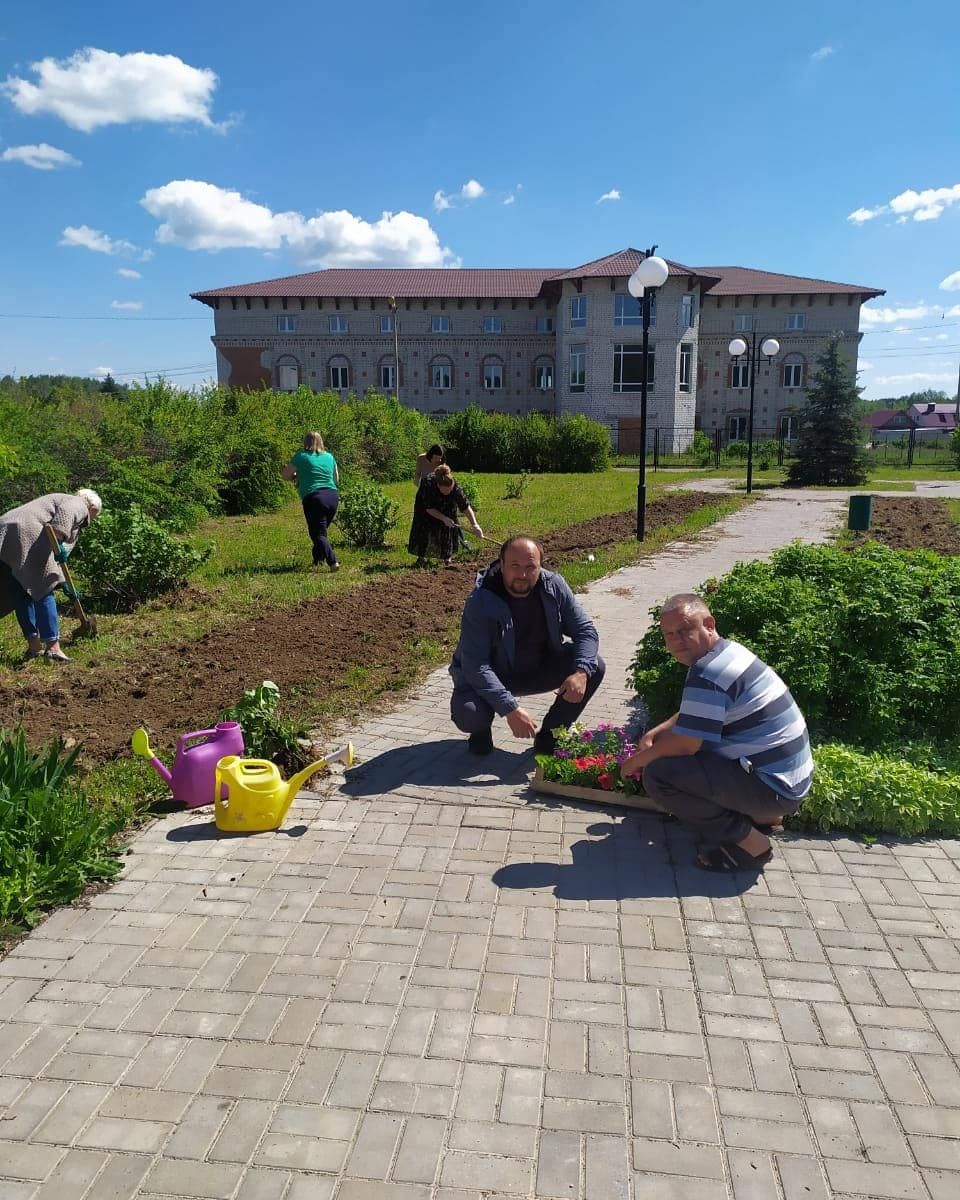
x=622, y=264
x=745, y=281
x=469, y=283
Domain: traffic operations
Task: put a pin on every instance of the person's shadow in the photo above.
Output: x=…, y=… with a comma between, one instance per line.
x=445, y=763
x=640, y=857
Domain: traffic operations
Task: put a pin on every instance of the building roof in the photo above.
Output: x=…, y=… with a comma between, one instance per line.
x=745, y=281
x=521, y=283
x=888, y=417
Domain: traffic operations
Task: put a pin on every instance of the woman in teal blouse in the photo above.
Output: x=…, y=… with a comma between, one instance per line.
x=318, y=482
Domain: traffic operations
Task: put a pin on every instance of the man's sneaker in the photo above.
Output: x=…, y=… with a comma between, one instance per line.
x=544, y=742
x=480, y=743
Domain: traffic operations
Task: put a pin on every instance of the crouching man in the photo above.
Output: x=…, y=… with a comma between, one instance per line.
x=736, y=757
x=512, y=643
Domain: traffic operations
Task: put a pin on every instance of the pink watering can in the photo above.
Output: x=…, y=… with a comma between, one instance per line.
x=195, y=764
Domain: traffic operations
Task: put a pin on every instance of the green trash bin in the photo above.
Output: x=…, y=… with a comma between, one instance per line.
x=861, y=512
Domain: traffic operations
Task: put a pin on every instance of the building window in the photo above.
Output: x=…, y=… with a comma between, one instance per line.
x=544, y=324
x=796, y=321
x=686, y=310
x=493, y=325
x=686, y=366
x=743, y=323
x=492, y=376
x=439, y=324
x=441, y=374
x=386, y=323
x=737, y=428
x=339, y=374
x=578, y=367
x=288, y=375
x=628, y=367
x=543, y=377
x=793, y=371
x=286, y=324
x=789, y=423
x=388, y=377
x=740, y=375
x=578, y=312
x=337, y=324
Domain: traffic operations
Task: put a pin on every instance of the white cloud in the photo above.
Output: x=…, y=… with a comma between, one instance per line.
x=510, y=198
x=96, y=87
x=951, y=283
x=101, y=243
x=101, y=372
x=471, y=190
x=863, y=365
x=916, y=377
x=822, y=52
x=201, y=216
x=613, y=194
x=126, y=305
x=920, y=206
x=129, y=273
x=42, y=157
x=889, y=316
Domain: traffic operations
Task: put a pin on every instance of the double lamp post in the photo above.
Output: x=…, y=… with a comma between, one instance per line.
x=768, y=348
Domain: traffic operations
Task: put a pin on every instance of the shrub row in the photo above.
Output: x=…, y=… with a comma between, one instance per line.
x=483, y=441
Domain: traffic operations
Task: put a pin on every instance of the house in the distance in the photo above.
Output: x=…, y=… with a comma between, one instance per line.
x=924, y=422
x=934, y=420
x=555, y=340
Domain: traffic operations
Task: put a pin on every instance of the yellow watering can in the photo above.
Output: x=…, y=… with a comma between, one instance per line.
x=251, y=795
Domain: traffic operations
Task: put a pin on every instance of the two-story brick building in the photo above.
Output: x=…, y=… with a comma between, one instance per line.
x=528, y=339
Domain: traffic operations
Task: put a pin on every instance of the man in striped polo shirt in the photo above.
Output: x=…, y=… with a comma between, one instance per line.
x=736, y=756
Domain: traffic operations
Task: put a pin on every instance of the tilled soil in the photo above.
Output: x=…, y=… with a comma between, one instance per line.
x=310, y=647
x=912, y=523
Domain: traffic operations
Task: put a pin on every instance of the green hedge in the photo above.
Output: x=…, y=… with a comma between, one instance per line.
x=477, y=440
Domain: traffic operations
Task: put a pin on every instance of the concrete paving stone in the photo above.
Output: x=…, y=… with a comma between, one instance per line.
x=144, y=1104
x=263, y=1183
x=752, y=1175
x=121, y=1133
x=875, y=1181
x=71, y=1178
x=204, y=1181
x=670, y=1158
x=24, y=1160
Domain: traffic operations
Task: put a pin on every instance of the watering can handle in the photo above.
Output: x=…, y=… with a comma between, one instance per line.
x=219, y=786
x=189, y=737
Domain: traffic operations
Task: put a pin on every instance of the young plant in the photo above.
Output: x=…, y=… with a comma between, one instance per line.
x=266, y=733
x=366, y=515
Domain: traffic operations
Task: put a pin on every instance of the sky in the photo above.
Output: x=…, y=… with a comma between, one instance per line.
x=149, y=151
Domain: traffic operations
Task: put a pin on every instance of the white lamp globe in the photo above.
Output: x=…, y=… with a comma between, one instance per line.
x=651, y=272
x=738, y=346
x=769, y=347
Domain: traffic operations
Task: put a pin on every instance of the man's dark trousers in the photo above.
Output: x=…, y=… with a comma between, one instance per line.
x=472, y=714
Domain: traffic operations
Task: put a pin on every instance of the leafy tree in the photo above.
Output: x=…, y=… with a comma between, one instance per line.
x=830, y=448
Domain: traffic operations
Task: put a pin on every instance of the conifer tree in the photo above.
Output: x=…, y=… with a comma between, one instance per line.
x=830, y=447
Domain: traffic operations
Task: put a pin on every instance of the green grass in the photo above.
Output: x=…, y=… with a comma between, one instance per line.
x=953, y=508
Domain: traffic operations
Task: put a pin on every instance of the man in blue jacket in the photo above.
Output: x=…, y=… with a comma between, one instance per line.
x=512, y=643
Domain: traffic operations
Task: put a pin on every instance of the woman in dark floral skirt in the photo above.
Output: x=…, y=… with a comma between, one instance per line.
x=439, y=500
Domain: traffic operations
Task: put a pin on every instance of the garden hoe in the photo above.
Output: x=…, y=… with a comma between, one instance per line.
x=88, y=622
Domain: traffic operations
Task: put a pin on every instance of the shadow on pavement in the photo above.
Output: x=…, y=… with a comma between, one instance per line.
x=634, y=860
x=443, y=763
x=208, y=832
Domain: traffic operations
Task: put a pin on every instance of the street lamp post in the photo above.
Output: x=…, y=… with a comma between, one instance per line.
x=392, y=303
x=769, y=348
x=651, y=273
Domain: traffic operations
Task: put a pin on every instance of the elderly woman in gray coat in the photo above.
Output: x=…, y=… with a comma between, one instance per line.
x=33, y=567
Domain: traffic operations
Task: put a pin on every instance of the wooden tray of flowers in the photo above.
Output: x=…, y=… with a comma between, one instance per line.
x=586, y=766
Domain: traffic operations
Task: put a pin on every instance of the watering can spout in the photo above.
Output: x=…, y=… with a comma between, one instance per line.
x=140, y=744
x=344, y=755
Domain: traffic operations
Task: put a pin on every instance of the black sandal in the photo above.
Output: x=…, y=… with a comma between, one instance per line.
x=724, y=860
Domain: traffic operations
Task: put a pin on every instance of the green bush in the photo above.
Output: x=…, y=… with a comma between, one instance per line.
x=127, y=558
x=366, y=515
x=470, y=487
x=252, y=481
x=53, y=843
x=736, y=450
x=515, y=487
x=266, y=732
x=484, y=441
x=701, y=449
x=578, y=444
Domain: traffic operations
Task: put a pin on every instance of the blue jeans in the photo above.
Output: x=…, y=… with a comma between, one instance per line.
x=37, y=618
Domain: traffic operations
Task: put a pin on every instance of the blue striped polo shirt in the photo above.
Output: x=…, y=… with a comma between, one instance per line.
x=742, y=709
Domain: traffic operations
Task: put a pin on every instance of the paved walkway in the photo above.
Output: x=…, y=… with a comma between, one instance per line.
x=431, y=985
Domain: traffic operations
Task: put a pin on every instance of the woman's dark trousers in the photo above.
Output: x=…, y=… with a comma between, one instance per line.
x=320, y=507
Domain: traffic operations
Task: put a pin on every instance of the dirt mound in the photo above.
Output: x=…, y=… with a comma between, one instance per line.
x=310, y=648
x=912, y=523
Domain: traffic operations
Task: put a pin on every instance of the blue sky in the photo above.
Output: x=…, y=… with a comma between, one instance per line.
x=150, y=151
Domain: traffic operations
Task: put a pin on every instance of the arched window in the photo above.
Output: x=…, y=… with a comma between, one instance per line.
x=387, y=373
x=286, y=373
x=737, y=427
x=441, y=373
x=339, y=373
x=794, y=371
x=543, y=373
x=492, y=374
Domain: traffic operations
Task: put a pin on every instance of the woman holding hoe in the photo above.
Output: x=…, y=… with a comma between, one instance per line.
x=439, y=499
x=318, y=482
x=32, y=566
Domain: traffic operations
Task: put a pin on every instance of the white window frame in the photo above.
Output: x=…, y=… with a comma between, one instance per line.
x=543, y=377
x=578, y=367
x=386, y=323
x=286, y=323
x=288, y=377
x=633, y=350
x=740, y=375
x=578, y=312
x=741, y=420
x=743, y=323
x=439, y=324
x=793, y=375
x=337, y=370
x=492, y=376
x=388, y=376
x=493, y=324
x=338, y=323
x=441, y=375
x=687, y=310
x=628, y=311
x=795, y=322
x=544, y=324
x=789, y=423
x=685, y=368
